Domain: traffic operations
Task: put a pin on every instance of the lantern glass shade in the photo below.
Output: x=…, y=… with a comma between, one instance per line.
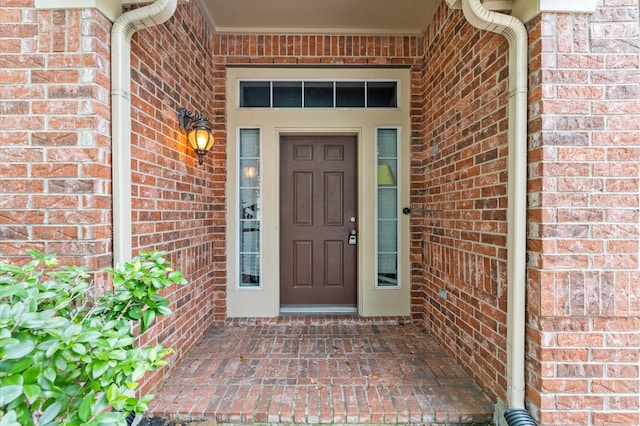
x=201, y=139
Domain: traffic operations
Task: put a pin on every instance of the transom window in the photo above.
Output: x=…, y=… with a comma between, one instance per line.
x=318, y=94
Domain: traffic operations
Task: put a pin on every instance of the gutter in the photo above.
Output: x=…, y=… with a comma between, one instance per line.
x=515, y=32
x=123, y=29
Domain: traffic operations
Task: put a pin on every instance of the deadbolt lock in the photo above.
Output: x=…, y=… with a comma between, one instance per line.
x=353, y=239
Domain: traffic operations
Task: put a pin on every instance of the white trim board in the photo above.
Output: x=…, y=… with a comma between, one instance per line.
x=568, y=5
x=112, y=9
x=109, y=8
x=525, y=10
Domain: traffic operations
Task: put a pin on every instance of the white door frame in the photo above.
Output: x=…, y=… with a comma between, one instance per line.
x=265, y=300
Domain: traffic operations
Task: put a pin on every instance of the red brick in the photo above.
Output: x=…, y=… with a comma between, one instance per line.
x=54, y=232
x=616, y=418
x=13, y=76
x=615, y=386
x=55, y=138
x=617, y=324
x=550, y=417
x=561, y=354
x=59, y=76
x=54, y=170
x=56, y=201
x=580, y=402
x=50, y=107
x=623, y=403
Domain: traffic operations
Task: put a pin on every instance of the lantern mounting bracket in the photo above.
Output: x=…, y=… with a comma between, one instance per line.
x=186, y=118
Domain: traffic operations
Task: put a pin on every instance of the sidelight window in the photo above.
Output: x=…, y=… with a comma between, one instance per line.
x=249, y=208
x=387, y=208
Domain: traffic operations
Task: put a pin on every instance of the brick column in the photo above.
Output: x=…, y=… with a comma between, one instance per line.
x=584, y=213
x=55, y=173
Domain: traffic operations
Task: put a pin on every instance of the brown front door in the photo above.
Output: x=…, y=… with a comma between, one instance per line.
x=317, y=214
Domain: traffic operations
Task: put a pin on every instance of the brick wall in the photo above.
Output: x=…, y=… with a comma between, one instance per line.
x=584, y=217
x=584, y=167
x=459, y=251
x=55, y=174
x=178, y=205
x=325, y=50
x=55, y=161
x=310, y=49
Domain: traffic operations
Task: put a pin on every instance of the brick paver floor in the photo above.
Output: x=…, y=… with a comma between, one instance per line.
x=336, y=369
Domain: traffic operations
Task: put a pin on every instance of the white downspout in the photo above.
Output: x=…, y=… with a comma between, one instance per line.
x=515, y=32
x=123, y=29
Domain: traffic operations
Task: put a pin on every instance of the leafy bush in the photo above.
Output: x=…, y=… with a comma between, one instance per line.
x=67, y=358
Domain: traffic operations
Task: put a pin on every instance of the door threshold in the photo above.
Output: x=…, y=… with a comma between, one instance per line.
x=318, y=309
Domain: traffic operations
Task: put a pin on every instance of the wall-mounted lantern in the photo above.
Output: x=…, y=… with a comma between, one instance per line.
x=196, y=127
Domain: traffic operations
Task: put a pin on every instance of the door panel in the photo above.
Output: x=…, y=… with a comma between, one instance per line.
x=333, y=199
x=302, y=190
x=334, y=258
x=318, y=184
x=302, y=263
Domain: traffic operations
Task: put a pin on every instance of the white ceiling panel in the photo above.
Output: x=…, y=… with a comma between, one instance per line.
x=320, y=16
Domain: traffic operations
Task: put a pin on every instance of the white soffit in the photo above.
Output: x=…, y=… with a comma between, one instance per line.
x=329, y=16
x=320, y=16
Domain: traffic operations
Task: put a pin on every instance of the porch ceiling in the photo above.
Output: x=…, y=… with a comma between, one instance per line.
x=320, y=16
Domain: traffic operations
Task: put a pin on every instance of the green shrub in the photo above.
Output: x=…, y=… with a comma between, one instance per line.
x=67, y=358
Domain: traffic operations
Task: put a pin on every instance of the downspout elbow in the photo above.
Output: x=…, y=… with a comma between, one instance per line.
x=123, y=29
x=511, y=28
x=149, y=16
